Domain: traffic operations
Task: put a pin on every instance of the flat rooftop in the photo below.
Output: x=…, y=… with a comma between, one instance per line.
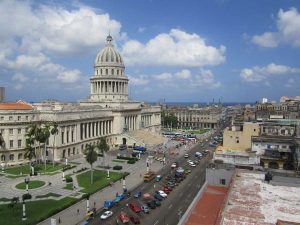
x=207, y=210
x=252, y=201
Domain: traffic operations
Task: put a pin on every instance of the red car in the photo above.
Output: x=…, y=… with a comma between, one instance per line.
x=135, y=219
x=166, y=190
x=123, y=217
x=134, y=207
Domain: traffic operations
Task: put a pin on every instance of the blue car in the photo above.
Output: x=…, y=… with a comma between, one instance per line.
x=138, y=194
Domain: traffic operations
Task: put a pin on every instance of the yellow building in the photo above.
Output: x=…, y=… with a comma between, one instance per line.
x=236, y=147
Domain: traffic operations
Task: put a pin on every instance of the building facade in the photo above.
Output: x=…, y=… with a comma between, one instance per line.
x=106, y=113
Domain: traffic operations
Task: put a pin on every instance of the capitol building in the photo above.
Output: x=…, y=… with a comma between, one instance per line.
x=106, y=113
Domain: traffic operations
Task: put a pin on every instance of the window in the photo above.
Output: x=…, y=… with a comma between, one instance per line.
x=11, y=157
x=26, y=117
x=254, y=130
x=62, y=137
x=2, y=118
x=11, y=143
x=19, y=118
x=1, y=131
x=112, y=71
x=19, y=143
x=223, y=181
x=72, y=135
x=2, y=157
x=10, y=118
x=19, y=131
x=67, y=136
x=237, y=141
x=11, y=131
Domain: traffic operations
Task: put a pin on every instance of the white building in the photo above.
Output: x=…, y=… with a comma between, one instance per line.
x=106, y=113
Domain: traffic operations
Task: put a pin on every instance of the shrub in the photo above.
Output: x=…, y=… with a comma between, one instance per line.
x=69, y=179
x=26, y=196
x=131, y=161
x=67, y=167
x=33, y=174
x=127, y=158
x=117, y=167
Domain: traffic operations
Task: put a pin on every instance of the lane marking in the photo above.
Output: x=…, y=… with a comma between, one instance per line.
x=156, y=222
x=170, y=206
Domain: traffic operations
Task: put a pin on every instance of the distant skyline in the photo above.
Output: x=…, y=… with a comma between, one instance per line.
x=180, y=51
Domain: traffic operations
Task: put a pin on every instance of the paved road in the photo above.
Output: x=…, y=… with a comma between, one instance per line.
x=177, y=202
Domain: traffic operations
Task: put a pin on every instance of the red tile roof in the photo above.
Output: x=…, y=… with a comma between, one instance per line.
x=208, y=208
x=20, y=105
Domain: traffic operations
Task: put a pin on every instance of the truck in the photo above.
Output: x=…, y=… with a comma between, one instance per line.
x=108, y=204
x=149, y=176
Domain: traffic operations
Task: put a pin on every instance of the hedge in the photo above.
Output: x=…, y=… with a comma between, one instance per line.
x=117, y=167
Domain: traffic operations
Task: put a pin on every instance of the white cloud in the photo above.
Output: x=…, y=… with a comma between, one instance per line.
x=267, y=40
x=163, y=76
x=290, y=83
x=141, y=80
x=70, y=76
x=288, y=30
x=206, y=79
x=183, y=74
x=19, y=77
x=141, y=29
x=18, y=87
x=177, y=48
x=257, y=74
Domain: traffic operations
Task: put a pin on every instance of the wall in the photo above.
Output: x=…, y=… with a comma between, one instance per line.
x=213, y=176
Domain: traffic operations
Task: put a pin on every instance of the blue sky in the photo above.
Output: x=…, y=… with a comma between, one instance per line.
x=175, y=50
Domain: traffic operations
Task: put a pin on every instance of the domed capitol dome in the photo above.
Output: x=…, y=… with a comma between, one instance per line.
x=109, y=83
x=109, y=56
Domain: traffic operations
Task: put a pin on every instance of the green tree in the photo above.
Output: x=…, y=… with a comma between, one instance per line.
x=169, y=119
x=91, y=157
x=102, y=146
x=54, y=132
x=30, y=153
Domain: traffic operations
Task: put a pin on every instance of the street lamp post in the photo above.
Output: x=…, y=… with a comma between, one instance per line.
x=24, y=217
x=108, y=174
x=27, y=180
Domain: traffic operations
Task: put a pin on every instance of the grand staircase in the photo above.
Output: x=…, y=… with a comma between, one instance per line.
x=148, y=138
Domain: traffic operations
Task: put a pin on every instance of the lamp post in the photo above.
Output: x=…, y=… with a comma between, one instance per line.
x=108, y=174
x=24, y=217
x=2, y=166
x=27, y=180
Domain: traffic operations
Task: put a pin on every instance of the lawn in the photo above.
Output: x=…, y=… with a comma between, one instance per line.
x=39, y=168
x=119, y=161
x=32, y=184
x=48, y=195
x=69, y=186
x=36, y=211
x=100, y=180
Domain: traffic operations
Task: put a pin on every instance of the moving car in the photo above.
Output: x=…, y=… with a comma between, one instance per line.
x=186, y=155
x=174, y=165
x=158, y=178
x=137, y=194
x=106, y=214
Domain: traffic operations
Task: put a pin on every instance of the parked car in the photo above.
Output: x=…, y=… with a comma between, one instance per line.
x=158, y=197
x=151, y=204
x=157, y=203
x=166, y=190
x=135, y=219
x=106, y=215
x=186, y=155
x=174, y=165
x=162, y=193
x=158, y=178
x=134, y=207
x=145, y=209
x=123, y=217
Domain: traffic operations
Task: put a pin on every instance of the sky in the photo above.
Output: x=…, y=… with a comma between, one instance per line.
x=174, y=50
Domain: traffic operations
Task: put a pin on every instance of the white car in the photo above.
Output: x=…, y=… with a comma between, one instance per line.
x=174, y=165
x=162, y=194
x=192, y=164
x=106, y=214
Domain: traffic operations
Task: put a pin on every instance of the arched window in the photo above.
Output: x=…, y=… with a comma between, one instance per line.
x=69, y=152
x=11, y=157
x=20, y=155
x=2, y=157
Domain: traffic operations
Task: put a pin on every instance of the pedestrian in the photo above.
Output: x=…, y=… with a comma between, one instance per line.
x=140, y=175
x=59, y=221
x=78, y=212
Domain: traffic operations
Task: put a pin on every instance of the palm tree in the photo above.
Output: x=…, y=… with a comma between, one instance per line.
x=103, y=147
x=30, y=153
x=91, y=157
x=54, y=132
x=39, y=136
x=45, y=134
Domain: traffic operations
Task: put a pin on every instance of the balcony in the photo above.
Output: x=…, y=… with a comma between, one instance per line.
x=276, y=155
